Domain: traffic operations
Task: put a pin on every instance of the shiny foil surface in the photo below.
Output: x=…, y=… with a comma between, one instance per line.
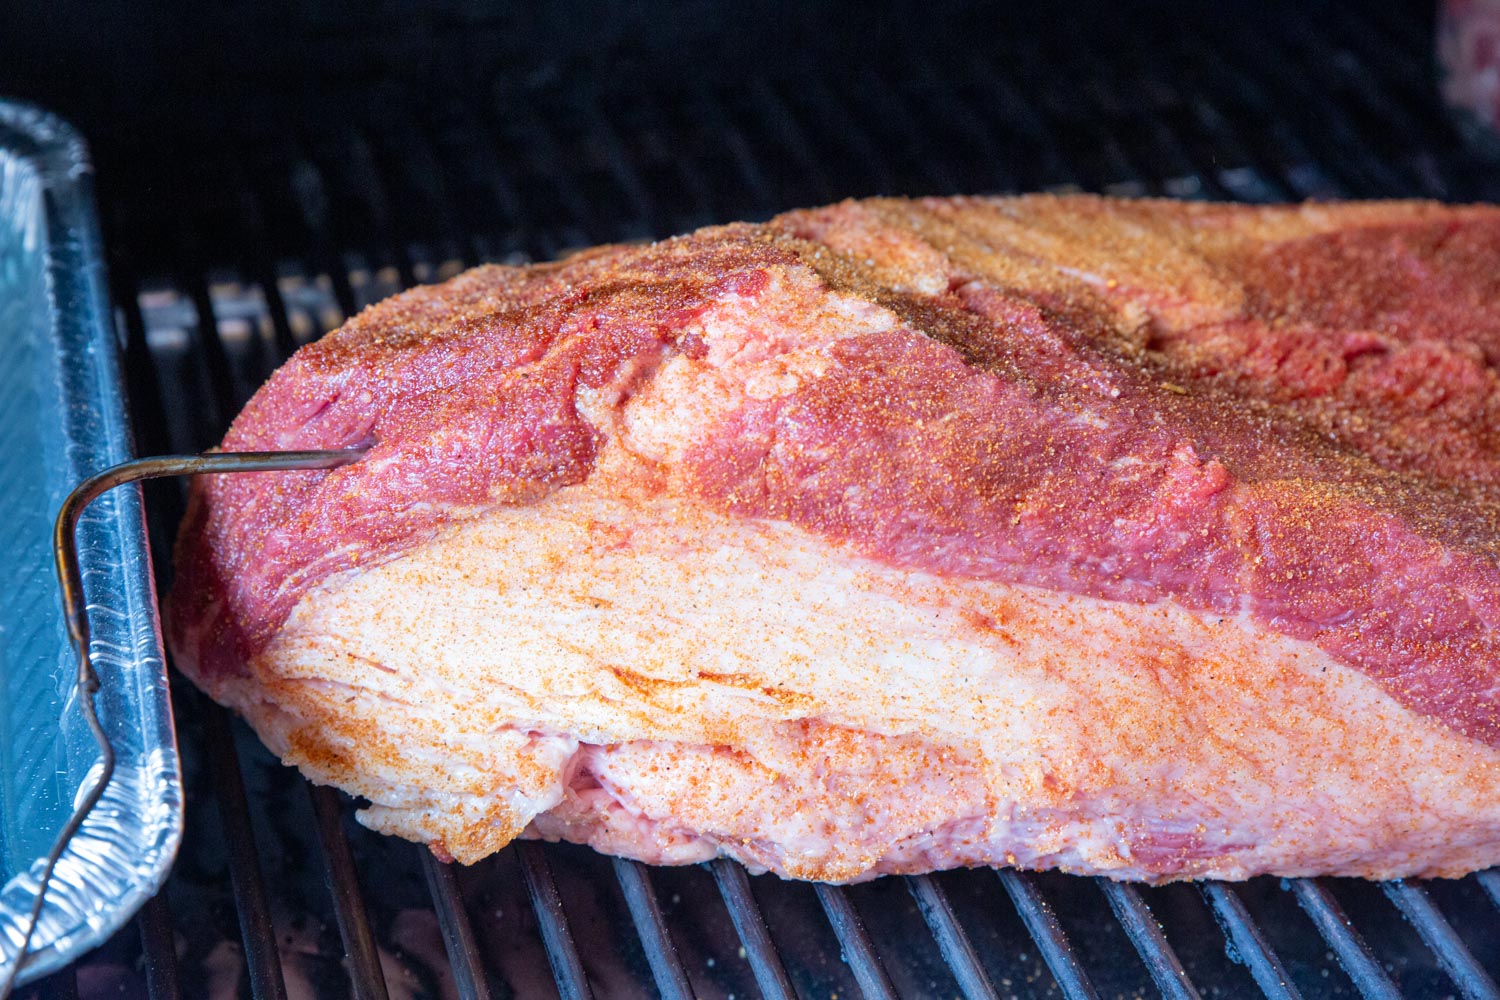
x=62, y=418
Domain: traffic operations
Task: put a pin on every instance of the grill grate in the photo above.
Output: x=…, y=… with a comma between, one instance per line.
x=280, y=234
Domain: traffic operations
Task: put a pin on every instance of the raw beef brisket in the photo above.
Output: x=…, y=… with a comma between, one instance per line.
x=1139, y=538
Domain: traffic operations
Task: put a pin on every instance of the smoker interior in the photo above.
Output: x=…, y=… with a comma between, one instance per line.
x=246, y=220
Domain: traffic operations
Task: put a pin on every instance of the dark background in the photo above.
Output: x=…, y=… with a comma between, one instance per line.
x=231, y=131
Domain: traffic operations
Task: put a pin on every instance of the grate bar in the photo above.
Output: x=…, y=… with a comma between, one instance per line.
x=365, y=973
x=309, y=189
x=567, y=967
x=142, y=384
x=1417, y=907
x=1145, y=933
x=744, y=911
x=1353, y=953
x=261, y=956
x=1293, y=166
x=859, y=951
x=258, y=261
x=159, y=948
x=458, y=936
x=1247, y=942
x=281, y=325
x=640, y=897
x=1490, y=881
x=1370, y=96
x=952, y=941
x=338, y=279
x=210, y=348
x=1249, y=178
x=1048, y=934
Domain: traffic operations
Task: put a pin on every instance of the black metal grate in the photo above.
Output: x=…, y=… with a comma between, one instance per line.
x=274, y=234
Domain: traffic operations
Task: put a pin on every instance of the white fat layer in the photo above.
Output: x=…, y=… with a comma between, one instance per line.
x=760, y=347
x=1053, y=728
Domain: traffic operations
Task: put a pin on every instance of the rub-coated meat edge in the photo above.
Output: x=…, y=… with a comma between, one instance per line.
x=1257, y=416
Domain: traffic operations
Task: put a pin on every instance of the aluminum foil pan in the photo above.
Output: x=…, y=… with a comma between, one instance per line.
x=63, y=418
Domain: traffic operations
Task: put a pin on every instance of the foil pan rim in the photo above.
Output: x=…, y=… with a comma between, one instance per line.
x=125, y=849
